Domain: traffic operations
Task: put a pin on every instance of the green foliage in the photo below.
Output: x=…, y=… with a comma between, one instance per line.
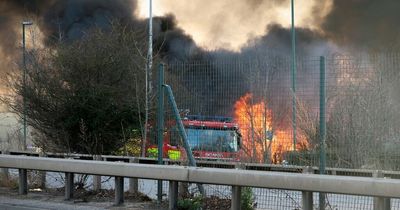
x=247, y=201
x=214, y=202
x=190, y=203
x=132, y=146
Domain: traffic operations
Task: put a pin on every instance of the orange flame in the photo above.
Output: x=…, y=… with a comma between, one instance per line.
x=255, y=123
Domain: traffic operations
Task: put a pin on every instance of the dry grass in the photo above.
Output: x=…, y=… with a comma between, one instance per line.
x=9, y=182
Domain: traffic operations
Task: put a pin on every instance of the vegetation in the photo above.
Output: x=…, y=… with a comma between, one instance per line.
x=194, y=203
x=85, y=96
x=215, y=202
x=247, y=202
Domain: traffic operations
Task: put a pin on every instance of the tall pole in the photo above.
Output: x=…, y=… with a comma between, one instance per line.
x=160, y=125
x=322, y=123
x=25, y=23
x=150, y=51
x=322, y=114
x=294, y=76
x=148, y=85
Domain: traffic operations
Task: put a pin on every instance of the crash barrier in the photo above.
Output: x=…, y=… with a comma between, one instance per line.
x=217, y=163
x=381, y=188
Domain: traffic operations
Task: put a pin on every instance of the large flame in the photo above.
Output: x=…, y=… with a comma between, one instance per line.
x=255, y=120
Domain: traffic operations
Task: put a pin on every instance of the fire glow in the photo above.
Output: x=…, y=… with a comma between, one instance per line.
x=255, y=120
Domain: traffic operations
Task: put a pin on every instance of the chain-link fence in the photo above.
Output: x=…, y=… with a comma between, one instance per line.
x=244, y=109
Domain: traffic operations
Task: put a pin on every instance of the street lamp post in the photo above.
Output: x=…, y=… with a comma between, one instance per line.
x=24, y=23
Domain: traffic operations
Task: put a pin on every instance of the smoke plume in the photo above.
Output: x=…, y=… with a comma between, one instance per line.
x=231, y=28
x=364, y=24
x=68, y=20
x=60, y=19
x=228, y=24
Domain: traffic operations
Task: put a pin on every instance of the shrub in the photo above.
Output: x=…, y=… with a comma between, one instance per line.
x=247, y=202
x=190, y=203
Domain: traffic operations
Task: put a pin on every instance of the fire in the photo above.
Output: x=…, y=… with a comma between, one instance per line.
x=255, y=121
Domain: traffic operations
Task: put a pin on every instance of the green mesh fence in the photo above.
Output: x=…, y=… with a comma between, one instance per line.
x=250, y=102
x=240, y=111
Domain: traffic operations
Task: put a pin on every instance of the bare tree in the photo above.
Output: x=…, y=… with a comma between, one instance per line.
x=85, y=95
x=265, y=107
x=362, y=120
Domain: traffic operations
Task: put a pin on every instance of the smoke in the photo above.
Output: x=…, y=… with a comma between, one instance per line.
x=72, y=18
x=223, y=24
x=55, y=20
x=368, y=24
x=172, y=42
x=68, y=20
x=12, y=13
x=62, y=19
x=231, y=28
x=228, y=24
x=277, y=39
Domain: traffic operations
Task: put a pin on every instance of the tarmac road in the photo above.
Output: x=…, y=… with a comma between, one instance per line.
x=10, y=200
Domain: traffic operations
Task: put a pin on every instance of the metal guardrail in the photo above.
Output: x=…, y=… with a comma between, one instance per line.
x=221, y=164
x=379, y=187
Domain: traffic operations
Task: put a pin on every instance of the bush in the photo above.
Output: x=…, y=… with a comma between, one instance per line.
x=247, y=202
x=190, y=203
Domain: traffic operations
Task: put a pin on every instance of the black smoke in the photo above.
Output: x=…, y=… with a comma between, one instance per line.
x=74, y=17
x=277, y=39
x=172, y=42
x=355, y=23
x=59, y=19
x=368, y=24
x=68, y=20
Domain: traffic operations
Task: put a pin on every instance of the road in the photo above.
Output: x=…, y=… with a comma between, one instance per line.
x=10, y=200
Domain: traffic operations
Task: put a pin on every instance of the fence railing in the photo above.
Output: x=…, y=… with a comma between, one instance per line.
x=219, y=164
x=383, y=189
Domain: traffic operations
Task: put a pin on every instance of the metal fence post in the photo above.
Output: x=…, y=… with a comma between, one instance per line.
x=307, y=196
x=133, y=182
x=119, y=190
x=42, y=174
x=237, y=192
x=236, y=197
x=23, y=182
x=160, y=126
x=97, y=178
x=69, y=186
x=322, y=125
x=181, y=129
x=173, y=195
x=381, y=203
x=4, y=171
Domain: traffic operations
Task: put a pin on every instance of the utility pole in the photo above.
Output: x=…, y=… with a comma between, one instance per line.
x=25, y=23
x=148, y=85
x=294, y=78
